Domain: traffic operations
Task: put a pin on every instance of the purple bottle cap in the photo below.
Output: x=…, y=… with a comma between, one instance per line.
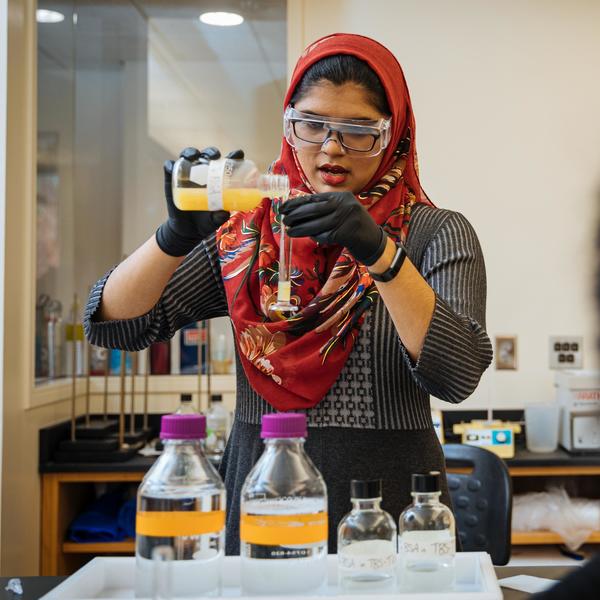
x=283, y=425
x=183, y=427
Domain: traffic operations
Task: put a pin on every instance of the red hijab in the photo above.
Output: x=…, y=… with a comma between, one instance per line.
x=293, y=363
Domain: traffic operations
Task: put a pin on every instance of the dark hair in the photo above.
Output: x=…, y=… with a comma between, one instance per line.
x=340, y=69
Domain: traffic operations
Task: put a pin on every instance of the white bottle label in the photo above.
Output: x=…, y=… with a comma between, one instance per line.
x=437, y=544
x=214, y=183
x=369, y=555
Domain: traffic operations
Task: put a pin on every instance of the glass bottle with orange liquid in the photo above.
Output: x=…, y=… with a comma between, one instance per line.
x=224, y=184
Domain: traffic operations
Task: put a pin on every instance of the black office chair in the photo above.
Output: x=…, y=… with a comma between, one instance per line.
x=482, y=500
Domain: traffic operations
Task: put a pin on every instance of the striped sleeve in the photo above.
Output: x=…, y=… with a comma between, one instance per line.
x=456, y=350
x=194, y=292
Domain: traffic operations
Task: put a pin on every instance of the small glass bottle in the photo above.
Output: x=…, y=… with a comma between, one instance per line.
x=217, y=424
x=224, y=184
x=427, y=544
x=283, y=523
x=186, y=406
x=181, y=504
x=367, y=542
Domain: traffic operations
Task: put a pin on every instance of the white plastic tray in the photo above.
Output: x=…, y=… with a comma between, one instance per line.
x=113, y=577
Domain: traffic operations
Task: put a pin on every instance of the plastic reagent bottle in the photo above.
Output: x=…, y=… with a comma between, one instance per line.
x=224, y=184
x=367, y=541
x=185, y=406
x=217, y=422
x=181, y=504
x=427, y=544
x=283, y=522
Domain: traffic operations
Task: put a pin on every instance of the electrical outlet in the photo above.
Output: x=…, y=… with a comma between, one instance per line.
x=566, y=352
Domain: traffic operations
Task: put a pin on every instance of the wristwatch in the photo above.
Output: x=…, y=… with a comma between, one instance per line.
x=394, y=267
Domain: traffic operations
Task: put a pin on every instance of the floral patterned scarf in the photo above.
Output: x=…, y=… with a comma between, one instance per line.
x=293, y=363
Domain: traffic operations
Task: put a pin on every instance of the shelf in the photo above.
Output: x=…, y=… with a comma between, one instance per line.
x=521, y=538
x=124, y=547
x=59, y=390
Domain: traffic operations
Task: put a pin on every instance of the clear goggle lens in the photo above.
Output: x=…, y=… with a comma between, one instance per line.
x=359, y=137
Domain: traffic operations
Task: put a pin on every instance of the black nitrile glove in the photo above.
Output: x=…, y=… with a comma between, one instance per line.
x=185, y=229
x=336, y=218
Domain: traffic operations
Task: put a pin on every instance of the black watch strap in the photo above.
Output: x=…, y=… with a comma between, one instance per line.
x=394, y=267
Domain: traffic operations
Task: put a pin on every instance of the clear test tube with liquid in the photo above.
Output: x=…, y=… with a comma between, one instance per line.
x=284, y=308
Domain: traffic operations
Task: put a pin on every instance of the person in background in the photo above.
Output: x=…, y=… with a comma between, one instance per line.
x=391, y=290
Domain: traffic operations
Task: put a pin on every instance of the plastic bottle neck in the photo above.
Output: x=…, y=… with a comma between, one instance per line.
x=294, y=444
x=426, y=497
x=274, y=186
x=364, y=504
x=174, y=446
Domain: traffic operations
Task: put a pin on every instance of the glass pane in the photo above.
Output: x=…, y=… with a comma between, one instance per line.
x=55, y=179
x=138, y=81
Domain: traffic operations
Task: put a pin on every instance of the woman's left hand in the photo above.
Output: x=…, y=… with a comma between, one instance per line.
x=336, y=218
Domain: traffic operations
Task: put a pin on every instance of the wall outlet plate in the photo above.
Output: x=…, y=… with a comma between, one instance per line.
x=566, y=351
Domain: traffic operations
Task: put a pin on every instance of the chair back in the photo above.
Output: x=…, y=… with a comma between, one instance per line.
x=482, y=500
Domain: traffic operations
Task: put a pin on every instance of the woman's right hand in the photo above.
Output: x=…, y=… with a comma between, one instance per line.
x=185, y=229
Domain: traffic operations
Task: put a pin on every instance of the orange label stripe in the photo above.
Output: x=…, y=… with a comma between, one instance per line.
x=178, y=523
x=281, y=530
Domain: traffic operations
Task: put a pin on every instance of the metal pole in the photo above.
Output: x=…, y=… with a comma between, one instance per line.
x=133, y=373
x=146, y=374
x=87, y=385
x=122, y=402
x=208, y=368
x=106, y=370
x=73, y=367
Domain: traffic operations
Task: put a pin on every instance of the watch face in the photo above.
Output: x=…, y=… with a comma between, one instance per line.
x=394, y=267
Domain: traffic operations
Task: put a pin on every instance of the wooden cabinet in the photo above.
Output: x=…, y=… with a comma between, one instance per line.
x=64, y=496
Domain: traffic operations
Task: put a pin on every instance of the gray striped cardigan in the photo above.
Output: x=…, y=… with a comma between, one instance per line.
x=380, y=387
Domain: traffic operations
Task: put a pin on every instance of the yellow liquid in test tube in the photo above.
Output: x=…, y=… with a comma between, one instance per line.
x=243, y=199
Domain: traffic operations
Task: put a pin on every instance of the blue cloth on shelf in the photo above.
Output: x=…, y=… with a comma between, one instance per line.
x=126, y=518
x=100, y=521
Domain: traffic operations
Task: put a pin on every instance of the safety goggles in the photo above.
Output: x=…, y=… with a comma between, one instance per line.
x=357, y=136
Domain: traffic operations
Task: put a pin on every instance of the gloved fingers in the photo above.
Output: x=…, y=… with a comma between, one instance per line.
x=313, y=227
x=309, y=212
x=210, y=153
x=293, y=203
x=168, y=168
x=327, y=237
x=192, y=154
x=219, y=217
x=236, y=154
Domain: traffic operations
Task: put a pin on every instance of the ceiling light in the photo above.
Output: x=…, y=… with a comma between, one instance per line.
x=222, y=19
x=49, y=16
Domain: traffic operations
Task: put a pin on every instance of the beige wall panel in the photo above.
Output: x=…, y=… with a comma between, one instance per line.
x=506, y=97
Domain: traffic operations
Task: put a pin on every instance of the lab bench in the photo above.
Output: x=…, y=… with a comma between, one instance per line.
x=68, y=487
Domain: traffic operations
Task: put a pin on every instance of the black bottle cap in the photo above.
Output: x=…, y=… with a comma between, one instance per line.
x=186, y=397
x=360, y=488
x=216, y=398
x=426, y=483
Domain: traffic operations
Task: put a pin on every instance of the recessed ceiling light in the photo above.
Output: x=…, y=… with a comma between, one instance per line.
x=49, y=16
x=222, y=19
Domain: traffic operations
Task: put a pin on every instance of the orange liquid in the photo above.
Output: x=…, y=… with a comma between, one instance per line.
x=243, y=199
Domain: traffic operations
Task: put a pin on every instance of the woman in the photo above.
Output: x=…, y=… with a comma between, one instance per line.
x=391, y=290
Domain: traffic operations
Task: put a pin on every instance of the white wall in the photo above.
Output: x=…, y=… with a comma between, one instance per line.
x=506, y=96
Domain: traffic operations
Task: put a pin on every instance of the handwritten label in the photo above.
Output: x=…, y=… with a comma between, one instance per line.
x=427, y=543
